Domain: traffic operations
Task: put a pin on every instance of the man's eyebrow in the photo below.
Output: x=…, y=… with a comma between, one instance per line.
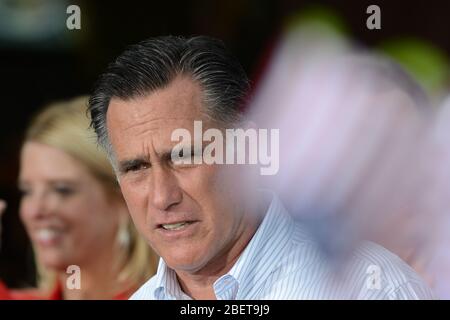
x=194, y=151
x=127, y=164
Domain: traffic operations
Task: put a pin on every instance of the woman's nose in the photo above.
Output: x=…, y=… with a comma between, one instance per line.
x=35, y=206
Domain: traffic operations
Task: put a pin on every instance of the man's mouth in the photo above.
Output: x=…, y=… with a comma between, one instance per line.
x=176, y=226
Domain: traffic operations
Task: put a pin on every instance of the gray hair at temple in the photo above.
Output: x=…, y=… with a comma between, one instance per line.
x=153, y=63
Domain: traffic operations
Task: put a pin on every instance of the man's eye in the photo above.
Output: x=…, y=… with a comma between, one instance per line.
x=185, y=155
x=137, y=167
x=181, y=158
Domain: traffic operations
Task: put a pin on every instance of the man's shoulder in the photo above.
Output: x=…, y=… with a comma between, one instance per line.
x=365, y=255
x=376, y=257
x=398, y=279
x=146, y=291
x=369, y=271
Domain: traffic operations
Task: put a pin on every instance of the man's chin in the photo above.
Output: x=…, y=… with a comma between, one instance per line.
x=188, y=264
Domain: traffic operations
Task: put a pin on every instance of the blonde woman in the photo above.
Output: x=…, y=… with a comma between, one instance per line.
x=85, y=244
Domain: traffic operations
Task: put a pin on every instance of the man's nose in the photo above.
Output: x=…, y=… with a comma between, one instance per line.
x=165, y=189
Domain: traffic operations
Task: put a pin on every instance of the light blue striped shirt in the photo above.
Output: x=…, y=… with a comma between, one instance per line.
x=283, y=262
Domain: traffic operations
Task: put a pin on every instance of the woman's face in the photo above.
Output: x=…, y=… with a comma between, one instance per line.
x=64, y=208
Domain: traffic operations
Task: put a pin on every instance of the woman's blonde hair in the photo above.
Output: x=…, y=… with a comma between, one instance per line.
x=66, y=126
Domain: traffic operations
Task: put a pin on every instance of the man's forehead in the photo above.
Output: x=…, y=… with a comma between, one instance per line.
x=135, y=124
x=155, y=133
x=181, y=99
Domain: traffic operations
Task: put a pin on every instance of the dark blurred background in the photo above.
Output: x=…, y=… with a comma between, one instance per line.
x=42, y=61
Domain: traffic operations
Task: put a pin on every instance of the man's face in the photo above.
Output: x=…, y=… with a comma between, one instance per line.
x=190, y=214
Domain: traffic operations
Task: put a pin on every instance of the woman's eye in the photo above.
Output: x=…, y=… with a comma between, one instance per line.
x=24, y=192
x=64, y=191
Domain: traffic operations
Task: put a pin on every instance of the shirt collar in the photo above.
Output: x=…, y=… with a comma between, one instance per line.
x=250, y=269
x=167, y=286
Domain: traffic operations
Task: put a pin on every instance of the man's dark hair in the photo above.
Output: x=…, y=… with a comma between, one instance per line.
x=152, y=64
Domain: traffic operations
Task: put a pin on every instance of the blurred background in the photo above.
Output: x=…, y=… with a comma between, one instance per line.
x=42, y=61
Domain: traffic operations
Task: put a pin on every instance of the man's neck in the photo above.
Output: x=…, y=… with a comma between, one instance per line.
x=199, y=284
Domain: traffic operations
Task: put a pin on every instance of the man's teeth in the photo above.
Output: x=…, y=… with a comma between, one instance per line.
x=175, y=226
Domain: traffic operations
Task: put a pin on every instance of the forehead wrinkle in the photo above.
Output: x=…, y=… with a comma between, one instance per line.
x=150, y=130
x=150, y=153
x=155, y=120
x=147, y=148
x=181, y=99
